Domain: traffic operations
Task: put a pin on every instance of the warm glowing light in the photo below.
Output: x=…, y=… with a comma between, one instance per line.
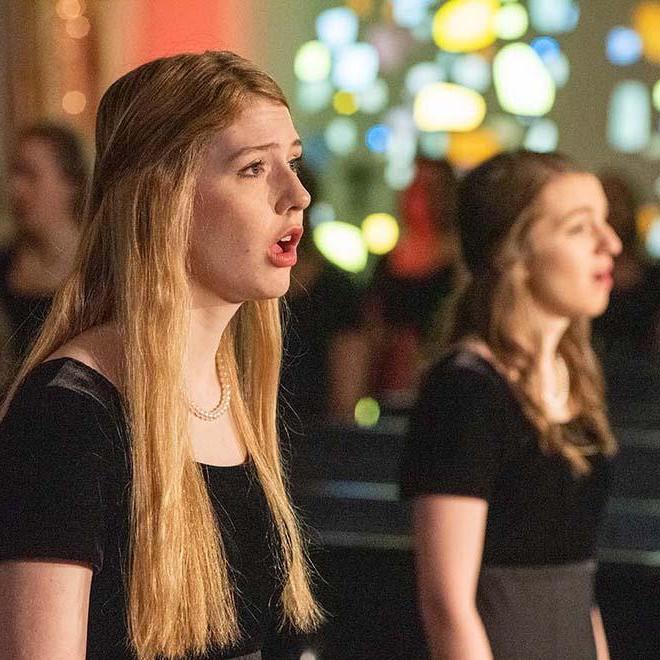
x=624, y=46
x=647, y=214
x=511, y=22
x=342, y=245
x=337, y=27
x=312, y=62
x=646, y=22
x=448, y=107
x=542, y=136
x=356, y=67
x=523, y=84
x=78, y=28
x=74, y=102
x=361, y=7
x=344, y=103
x=465, y=25
x=467, y=150
x=380, y=232
x=629, y=117
x=341, y=135
x=367, y=412
x=68, y=9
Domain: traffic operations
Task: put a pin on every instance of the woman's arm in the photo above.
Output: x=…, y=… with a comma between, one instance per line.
x=43, y=610
x=602, y=652
x=449, y=536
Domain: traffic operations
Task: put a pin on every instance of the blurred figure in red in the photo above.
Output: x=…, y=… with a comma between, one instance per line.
x=413, y=282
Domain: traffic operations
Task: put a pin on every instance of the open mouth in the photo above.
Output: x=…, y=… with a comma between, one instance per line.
x=283, y=253
x=288, y=242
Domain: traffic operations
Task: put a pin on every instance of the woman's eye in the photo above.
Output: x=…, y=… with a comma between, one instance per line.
x=253, y=170
x=576, y=229
x=295, y=164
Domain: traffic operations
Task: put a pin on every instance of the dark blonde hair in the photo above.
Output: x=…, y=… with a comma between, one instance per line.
x=154, y=125
x=496, y=209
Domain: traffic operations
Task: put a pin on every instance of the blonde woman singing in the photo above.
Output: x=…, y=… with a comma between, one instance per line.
x=509, y=443
x=143, y=511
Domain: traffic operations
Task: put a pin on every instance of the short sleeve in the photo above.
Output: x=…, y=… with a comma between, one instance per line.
x=457, y=434
x=54, y=476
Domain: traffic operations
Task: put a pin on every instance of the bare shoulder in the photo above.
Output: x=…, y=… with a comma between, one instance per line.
x=98, y=347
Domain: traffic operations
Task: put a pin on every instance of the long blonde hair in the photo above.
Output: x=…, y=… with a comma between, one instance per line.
x=496, y=209
x=153, y=127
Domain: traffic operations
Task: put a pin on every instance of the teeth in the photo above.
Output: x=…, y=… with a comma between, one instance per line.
x=285, y=239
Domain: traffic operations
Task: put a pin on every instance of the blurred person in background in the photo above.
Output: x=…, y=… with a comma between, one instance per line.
x=325, y=363
x=412, y=283
x=631, y=322
x=508, y=456
x=47, y=181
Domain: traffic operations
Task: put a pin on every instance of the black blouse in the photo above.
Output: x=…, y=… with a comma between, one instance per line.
x=469, y=436
x=64, y=469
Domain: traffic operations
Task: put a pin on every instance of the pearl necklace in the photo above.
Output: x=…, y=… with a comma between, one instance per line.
x=225, y=397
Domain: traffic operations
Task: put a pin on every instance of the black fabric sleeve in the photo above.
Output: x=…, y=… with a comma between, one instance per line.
x=54, y=477
x=456, y=435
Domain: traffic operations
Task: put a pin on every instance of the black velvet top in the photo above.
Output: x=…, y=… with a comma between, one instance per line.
x=65, y=475
x=469, y=436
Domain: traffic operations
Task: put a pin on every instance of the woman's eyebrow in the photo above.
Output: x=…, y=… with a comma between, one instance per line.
x=580, y=210
x=259, y=148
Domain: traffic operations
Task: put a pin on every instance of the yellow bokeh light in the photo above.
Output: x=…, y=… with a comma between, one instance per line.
x=68, y=9
x=465, y=25
x=345, y=103
x=647, y=214
x=74, y=102
x=380, y=232
x=467, y=150
x=448, y=107
x=646, y=22
x=367, y=412
x=361, y=7
x=78, y=28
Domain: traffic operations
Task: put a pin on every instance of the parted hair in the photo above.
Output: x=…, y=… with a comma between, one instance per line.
x=497, y=206
x=153, y=127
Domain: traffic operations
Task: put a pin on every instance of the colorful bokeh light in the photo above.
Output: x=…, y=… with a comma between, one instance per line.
x=448, y=107
x=380, y=232
x=341, y=244
x=522, y=82
x=629, y=117
x=624, y=46
x=312, y=62
x=465, y=25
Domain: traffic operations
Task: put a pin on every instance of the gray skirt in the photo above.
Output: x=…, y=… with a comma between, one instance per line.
x=538, y=613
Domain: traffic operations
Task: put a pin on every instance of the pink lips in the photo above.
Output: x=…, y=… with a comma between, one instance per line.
x=283, y=254
x=605, y=278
